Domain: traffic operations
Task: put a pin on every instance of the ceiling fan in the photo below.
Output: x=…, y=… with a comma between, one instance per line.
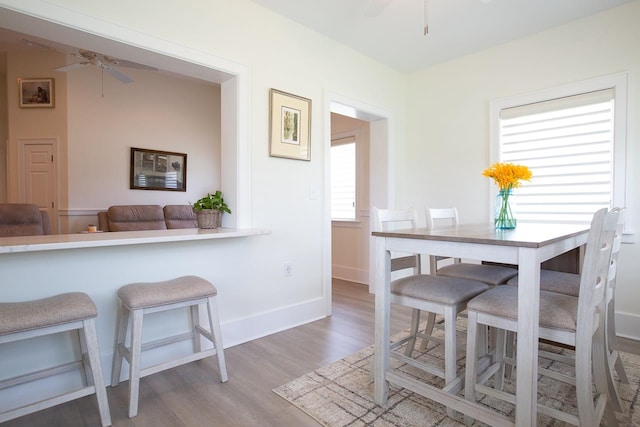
x=106, y=63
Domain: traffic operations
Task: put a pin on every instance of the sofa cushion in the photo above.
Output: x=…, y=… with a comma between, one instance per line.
x=22, y=219
x=135, y=217
x=180, y=216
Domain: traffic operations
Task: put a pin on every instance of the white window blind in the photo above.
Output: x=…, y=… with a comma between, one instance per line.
x=343, y=179
x=568, y=143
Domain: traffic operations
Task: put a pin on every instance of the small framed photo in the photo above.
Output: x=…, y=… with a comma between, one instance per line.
x=158, y=170
x=289, y=126
x=36, y=93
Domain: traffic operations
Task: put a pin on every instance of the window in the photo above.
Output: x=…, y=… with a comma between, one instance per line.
x=573, y=140
x=343, y=179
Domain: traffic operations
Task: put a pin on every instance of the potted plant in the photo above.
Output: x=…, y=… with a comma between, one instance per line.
x=209, y=210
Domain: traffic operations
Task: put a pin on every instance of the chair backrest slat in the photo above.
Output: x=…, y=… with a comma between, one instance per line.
x=441, y=216
x=394, y=219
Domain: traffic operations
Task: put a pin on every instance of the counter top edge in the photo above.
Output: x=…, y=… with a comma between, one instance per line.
x=121, y=238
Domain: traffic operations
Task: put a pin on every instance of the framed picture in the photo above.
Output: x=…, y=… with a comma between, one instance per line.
x=36, y=93
x=289, y=126
x=158, y=170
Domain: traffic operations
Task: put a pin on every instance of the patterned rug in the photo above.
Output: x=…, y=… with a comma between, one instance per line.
x=341, y=394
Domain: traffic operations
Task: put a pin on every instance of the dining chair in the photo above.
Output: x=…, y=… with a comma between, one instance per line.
x=579, y=322
x=569, y=284
x=446, y=296
x=492, y=275
x=612, y=355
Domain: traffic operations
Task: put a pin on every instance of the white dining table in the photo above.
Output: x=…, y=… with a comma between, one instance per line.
x=527, y=246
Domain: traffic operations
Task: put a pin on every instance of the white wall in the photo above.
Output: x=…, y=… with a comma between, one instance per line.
x=278, y=54
x=438, y=133
x=448, y=115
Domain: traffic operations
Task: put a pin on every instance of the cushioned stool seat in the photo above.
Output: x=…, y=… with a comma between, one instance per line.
x=59, y=313
x=144, y=298
x=492, y=275
x=556, y=281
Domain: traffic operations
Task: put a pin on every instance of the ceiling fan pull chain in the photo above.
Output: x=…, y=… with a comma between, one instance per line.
x=426, y=17
x=102, y=85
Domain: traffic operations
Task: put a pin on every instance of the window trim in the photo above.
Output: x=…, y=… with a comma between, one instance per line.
x=617, y=82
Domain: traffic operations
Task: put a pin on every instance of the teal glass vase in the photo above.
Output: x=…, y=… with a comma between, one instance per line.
x=505, y=218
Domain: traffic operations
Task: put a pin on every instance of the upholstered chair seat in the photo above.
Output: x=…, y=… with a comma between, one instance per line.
x=556, y=281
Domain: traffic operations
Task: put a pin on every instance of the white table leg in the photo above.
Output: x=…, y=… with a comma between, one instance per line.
x=382, y=319
x=527, y=350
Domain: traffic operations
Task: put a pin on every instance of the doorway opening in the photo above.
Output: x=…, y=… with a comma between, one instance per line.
x=350, y=254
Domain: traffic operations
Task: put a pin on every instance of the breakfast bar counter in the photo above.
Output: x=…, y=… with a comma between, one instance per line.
x=99, y=264
x=121, y=238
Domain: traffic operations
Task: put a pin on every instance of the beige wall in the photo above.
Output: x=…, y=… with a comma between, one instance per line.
x=157, y=112
x=97, y=119
x=3, y=135
x=35, y=123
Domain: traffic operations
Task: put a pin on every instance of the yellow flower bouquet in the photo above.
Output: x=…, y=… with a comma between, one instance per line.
x=507, y=176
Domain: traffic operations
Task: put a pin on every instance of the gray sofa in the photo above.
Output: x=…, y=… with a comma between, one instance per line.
x=146, y=217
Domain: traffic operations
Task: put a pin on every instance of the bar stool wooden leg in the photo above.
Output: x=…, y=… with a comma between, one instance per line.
x=214, y=325
x=134, y=362
x=122, y=322
x=93, y=352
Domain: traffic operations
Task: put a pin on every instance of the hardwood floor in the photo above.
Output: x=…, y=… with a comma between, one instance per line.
x=191, y=395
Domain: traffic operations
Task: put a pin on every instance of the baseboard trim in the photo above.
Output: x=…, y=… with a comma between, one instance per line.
x=628, y=325
x=350, y=274
x=239, y=331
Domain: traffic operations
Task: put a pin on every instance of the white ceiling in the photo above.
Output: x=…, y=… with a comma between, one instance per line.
x=391, y=31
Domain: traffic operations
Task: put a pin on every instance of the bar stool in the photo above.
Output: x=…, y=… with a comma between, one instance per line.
x=59, y=313
x=139, y=299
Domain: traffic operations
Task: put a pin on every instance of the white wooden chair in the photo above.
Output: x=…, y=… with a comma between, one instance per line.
x=569, y=284
x=612, y=356
x=577, y=322
x=73, y=311
x=493, y=275
x=442, y=295
x=139, y=299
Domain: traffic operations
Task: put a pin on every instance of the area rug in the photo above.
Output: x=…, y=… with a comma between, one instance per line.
x=341, y=394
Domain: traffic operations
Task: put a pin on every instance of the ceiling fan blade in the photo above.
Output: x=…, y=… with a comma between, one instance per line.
x=131, y=64
x=72, y=66
x=118, y=75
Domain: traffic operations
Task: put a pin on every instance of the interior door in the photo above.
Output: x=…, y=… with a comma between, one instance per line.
x=38, y=176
